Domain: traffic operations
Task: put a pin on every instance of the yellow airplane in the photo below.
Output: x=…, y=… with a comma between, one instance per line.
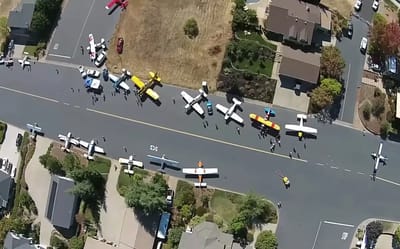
x=147, y=87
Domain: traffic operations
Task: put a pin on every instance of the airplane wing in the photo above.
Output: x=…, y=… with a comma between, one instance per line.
x=221, y=108
x=300, y=128
x=20, y=61
x=186, y=97
x=111, y=4
x=198, y=108
x=74, y=141
x=99, y=149
x=138, y=82
x=237, y=118
x=124, y=86
x=84, y=144
x=112, y=77
x=210, y=171
x=152, y=94
x=200, y=171
x=309, y=130
x=154, y=159
x=123, y=160
x=62, y=137
x=293, y=127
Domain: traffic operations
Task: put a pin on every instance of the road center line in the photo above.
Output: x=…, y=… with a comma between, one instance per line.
x=194, y=135
x=347, y=170
x=83, y=27
x=338, y=224
x=28, y=94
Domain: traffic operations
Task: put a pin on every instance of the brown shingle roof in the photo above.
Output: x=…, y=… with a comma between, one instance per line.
x=300, y=65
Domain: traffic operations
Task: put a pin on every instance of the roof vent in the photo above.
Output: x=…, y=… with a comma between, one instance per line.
x=308, y=9
x=296, y=19
x=305, y=22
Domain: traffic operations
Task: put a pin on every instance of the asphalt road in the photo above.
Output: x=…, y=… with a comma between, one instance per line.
x=350, y=50
x=366, y=11
x=330, y=183
x=79, y=19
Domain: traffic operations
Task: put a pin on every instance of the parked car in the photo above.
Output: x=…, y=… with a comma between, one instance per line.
x=357, y=5
x=350, y=29
x=105, y=74
x=209, y=108
x=375, y=5
x=364, y=45
x=101, y=58
x=120, y=45
x=170, y=197
x=82, y=71
x=18, y=141
x=93, y=73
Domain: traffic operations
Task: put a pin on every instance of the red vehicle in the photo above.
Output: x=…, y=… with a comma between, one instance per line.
x=120, y=45
x=120, y=3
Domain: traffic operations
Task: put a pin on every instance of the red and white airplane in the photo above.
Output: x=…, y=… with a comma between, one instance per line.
x=93, y=47
x=130, y=163
x=120, y=3
x=200, y=171
x=301, y=128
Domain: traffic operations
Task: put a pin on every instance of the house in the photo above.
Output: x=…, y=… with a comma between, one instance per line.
x=61, y=203
x=206, y=235
x=298, y=22
x=19, y=21
x=6, y=189
x=17, y=241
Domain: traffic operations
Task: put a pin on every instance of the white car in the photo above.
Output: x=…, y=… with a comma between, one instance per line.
x=363, y=45
x=375, y=5
x=357, y=5
x=93, y=73
x=82, y=71
x=100, y=59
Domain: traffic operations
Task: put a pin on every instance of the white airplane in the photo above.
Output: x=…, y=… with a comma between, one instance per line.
x=24, y=62
x=194, y=102
x=378, y=158
x=91, y=149
x=230, y=113
x=34, y=129
x=130, y=163
x=93, y=47
x=200, y=171
x=68, y=140
x=119, y=82
x=301, y=128
x=163, y=162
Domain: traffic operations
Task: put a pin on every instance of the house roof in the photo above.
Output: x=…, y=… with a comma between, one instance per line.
x=206, y=235
x=5, y=187
x=14, y=241
x=22, y=16
x=293, y=19
x=300, y=65
x=61, y=203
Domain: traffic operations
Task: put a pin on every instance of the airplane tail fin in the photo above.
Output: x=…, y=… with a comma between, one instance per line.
x=236, y=101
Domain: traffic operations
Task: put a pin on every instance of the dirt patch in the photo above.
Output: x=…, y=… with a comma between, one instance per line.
x=7, y=5
x=58, y=153
x=155, y=40
x=344, y=7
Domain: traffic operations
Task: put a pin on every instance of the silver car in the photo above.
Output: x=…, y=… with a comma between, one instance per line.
x=100, y=59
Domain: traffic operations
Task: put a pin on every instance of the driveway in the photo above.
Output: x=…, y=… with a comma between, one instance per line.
x=38, y=180
x=9, y=150
x=350, y=50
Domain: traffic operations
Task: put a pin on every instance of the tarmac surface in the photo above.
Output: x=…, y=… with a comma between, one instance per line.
x=329, y=181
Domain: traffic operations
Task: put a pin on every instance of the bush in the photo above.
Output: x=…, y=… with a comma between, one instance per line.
x=374, y=229
x=266, y=240
x=3, y=130
x=184, y=194
x=378, y=106
x=174, y=237
x=377, y=92
x=366, y=111
x=250, y=237
x=77, y=242
x=57, y=242
x=191, y=28
x=219, y=221
x=385, y=127
x=200, y=211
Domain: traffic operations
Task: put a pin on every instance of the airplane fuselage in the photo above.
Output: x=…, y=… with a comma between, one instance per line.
x=90, y=150
x=230, y=111
x=378, y=157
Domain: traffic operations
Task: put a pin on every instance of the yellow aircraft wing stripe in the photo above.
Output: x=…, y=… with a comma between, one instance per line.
x=152, y=94
x=138, y=82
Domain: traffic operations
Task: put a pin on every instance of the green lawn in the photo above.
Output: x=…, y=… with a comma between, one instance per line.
x=224, y=204
x=255, y=67
x=102, y=165
x=258, y=38
x=31, y=49
x=3, y=129
x=125, y=179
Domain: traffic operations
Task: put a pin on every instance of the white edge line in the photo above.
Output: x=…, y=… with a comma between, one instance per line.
x=347, y=170
x=83, y=28
x=333, y=167
x=193, y=135
x=58, y=55
x=28, y=94
x=316, y=235
x=338, y=224
x=345, y=93
x=360, y=173
x=386, y=180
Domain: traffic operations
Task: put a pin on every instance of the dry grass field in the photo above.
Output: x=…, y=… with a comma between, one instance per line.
x=344, y=7
x=155, y=40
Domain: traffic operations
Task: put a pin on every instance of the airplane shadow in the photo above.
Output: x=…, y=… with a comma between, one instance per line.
x=190, y=176
x=165, y=166
x=113, y=9
x=305, y=135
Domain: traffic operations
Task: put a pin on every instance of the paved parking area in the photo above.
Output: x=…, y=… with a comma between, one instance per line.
x=38, y=180
x=333, y=235
x=9, y=150
x=286, y=97
x=78, y=20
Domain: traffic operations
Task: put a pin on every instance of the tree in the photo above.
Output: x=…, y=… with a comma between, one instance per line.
x=391, y=39
x=71, y=162
x=320, y=98
x=185, y=197
x=191, y=28
x=373, y=230
x=332, y=63
x=57, y=242
x=52, y=164
x=89, y=184
x=333, y=86
x=243, y=19
x=77, y=242
x=85, y=191
x=174, y=237
x=186, y=212
x=384, y=129
x=148, y=197
x=396, y=239
x=254, y=208
x=378, y=105
x=366, y=111
x=376, y=40
x=40, y=23
x=238, y=228
x=266, y=240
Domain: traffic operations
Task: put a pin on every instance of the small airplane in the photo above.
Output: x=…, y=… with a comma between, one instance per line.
x=230, y=113
x=24, y=62
x=200, y=171
x=194, y=102
x=301, y=128
x=264, y=122
x=119, y=82
x=269, y=112
x=163, y=162
x=34, y=130
x=146, y=88
x=91, y=149
x=121, y=3
x=130, y=163
x=93, y=47
x=68, y=140
x=378, y=159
